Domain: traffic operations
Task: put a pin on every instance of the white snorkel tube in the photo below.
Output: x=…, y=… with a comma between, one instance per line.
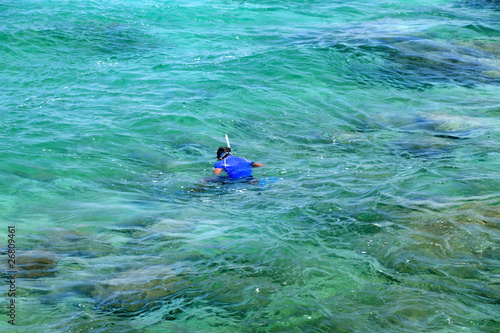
x=227, y=140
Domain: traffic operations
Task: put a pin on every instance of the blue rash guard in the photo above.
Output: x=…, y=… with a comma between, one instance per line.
x=235, y=167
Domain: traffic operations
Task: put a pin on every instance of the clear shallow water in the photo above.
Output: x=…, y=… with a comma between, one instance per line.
x=380, y=122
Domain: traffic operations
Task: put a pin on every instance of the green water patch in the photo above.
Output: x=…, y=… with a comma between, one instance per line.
x=378, y=121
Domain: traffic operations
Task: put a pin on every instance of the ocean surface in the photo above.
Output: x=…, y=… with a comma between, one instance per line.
x=378, y=209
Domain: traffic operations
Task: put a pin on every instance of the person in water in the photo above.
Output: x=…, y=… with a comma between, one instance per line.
x=235, y=167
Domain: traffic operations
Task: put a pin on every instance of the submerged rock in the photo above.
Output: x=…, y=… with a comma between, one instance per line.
x=75, y=243
x=137, y=290
x=41, y=176
x=29, y=171
x=36, y=263
x=425, y=147
x=172, y=226
x=449, y=126
x=437, y=135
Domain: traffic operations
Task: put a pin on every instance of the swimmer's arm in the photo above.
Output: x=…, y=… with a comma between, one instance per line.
x=256, y=165
x=217, y=171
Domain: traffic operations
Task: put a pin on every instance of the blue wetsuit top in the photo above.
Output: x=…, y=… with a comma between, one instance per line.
x=236, y=167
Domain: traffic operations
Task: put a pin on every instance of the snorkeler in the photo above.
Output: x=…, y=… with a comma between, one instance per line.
x=235, y=167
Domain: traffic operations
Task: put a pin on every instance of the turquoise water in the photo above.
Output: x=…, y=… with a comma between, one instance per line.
x=380, y=121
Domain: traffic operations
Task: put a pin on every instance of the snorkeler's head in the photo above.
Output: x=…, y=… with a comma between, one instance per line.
x=223, y=152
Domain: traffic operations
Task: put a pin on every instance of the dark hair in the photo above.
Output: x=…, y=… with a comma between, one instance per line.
x=222, y=151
